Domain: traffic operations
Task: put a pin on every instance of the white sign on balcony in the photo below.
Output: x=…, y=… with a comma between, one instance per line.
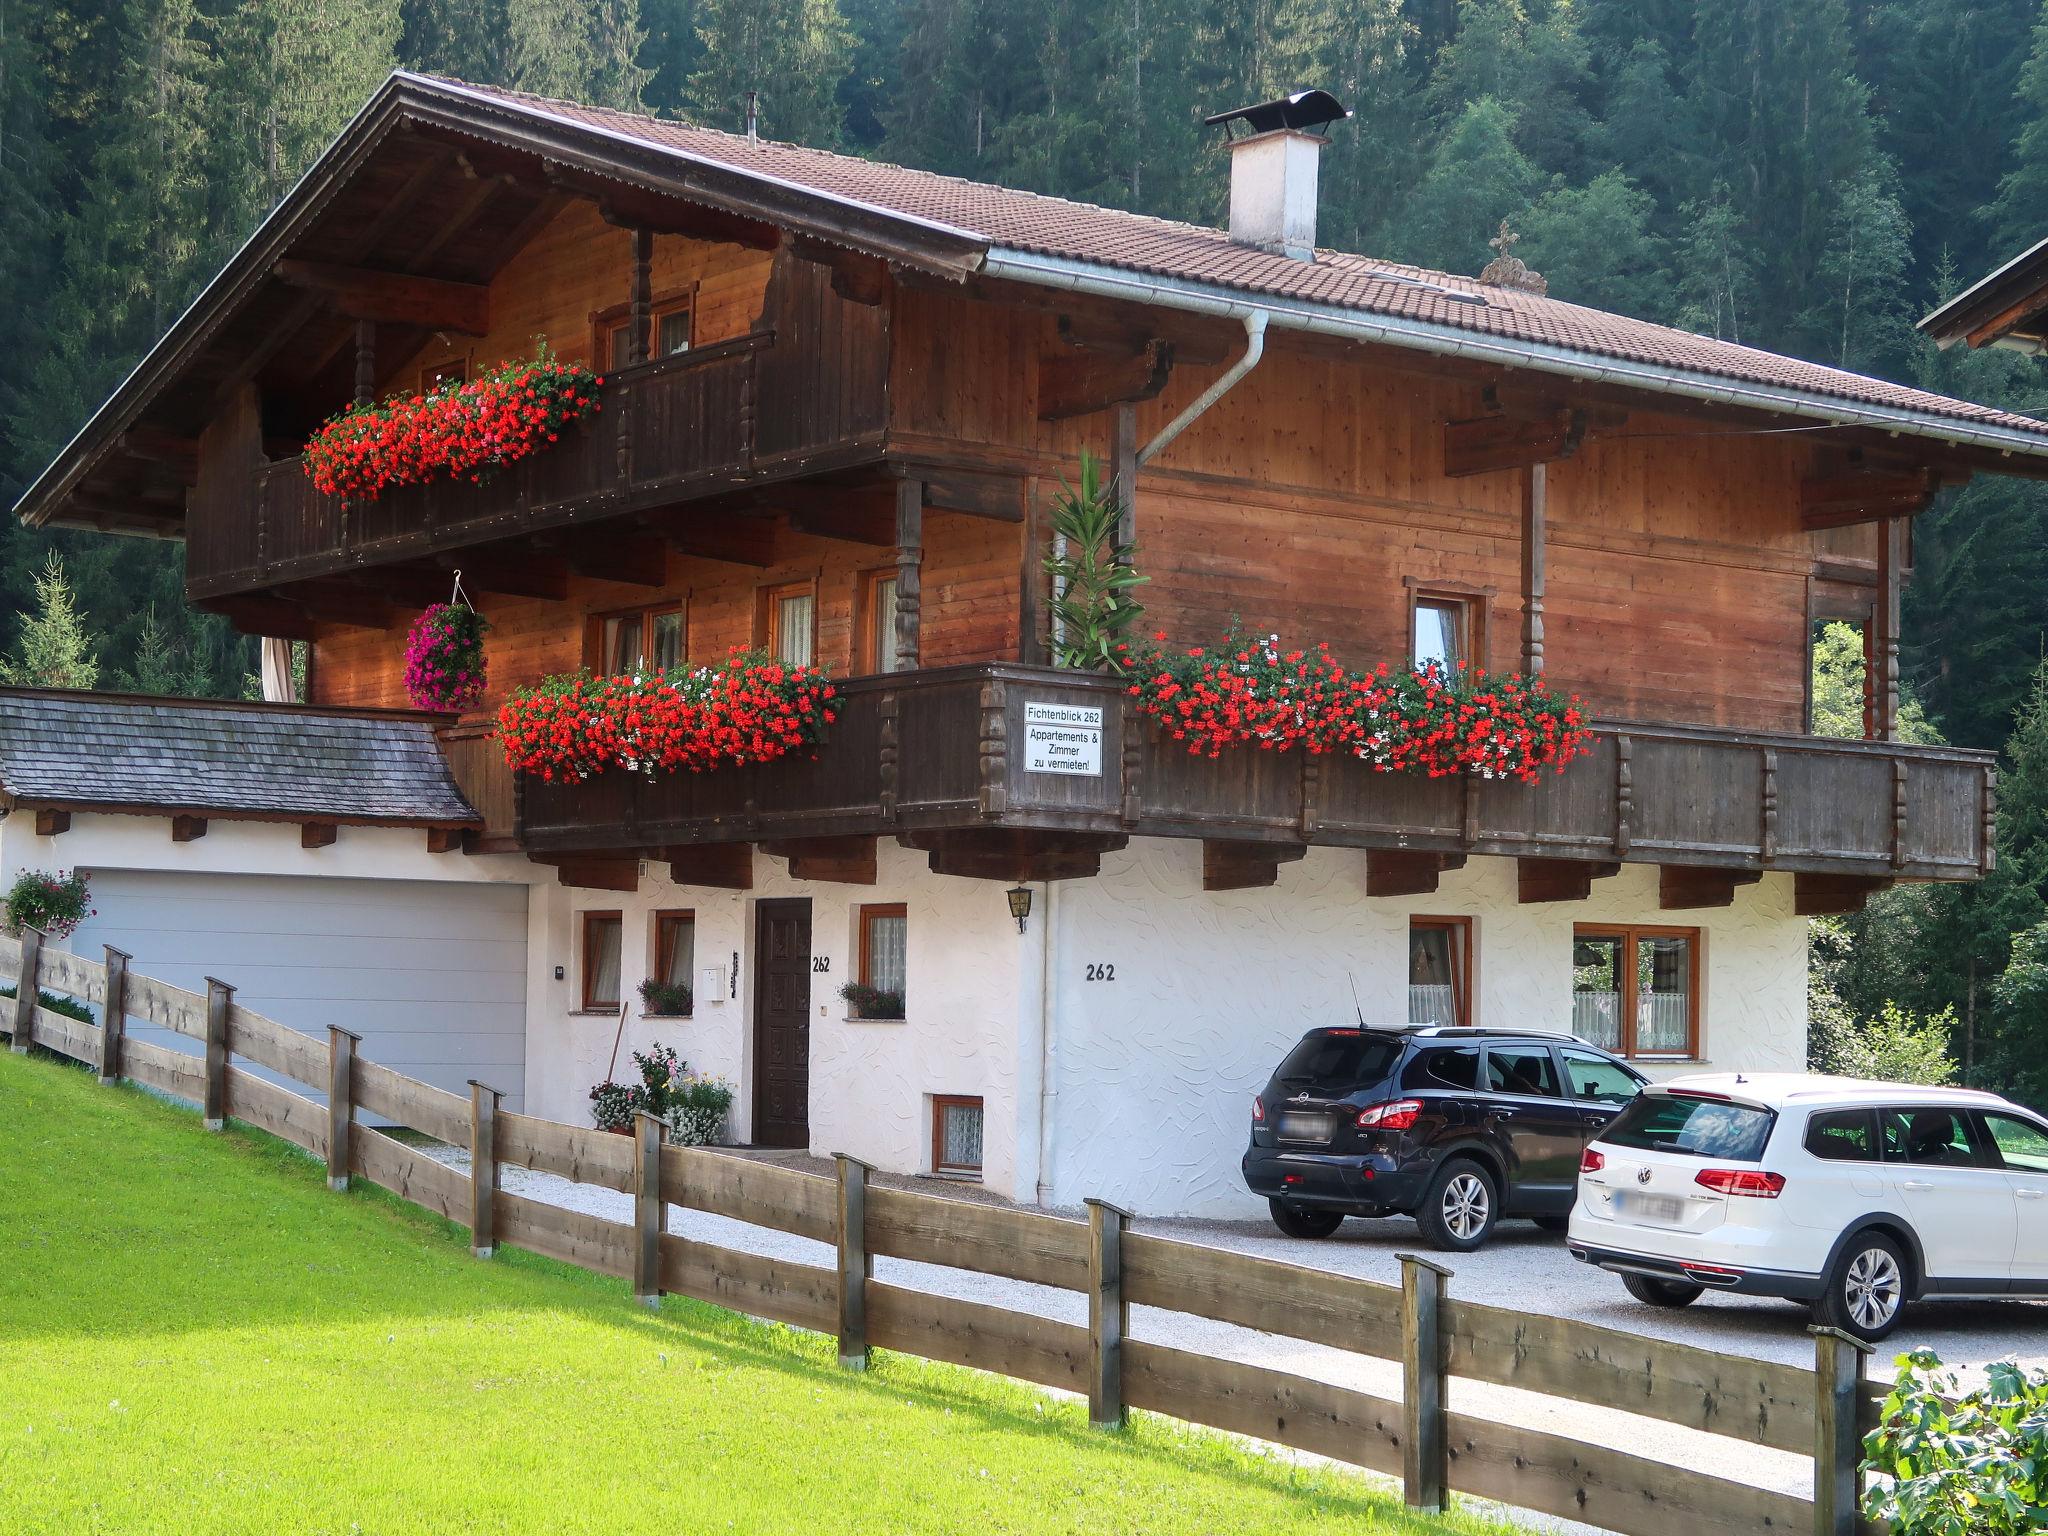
x=1063, y=738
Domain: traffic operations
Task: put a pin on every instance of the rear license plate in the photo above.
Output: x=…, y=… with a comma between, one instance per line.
x=1665, y=1210
x=1298, y=1127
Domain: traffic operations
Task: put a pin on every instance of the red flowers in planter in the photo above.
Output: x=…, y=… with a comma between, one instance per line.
x=1250, y=692
x=751, y=709
x=458, y=431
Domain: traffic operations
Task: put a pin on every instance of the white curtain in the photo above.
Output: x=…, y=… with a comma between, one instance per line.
x=277, y=671
x=603, y=960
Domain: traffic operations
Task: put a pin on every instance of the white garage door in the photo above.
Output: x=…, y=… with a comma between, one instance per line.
x=431, y=975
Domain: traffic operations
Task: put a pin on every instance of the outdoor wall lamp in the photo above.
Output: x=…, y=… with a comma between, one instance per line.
x=1020, y=904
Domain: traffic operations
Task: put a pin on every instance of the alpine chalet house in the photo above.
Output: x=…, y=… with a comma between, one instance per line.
x=826, y=408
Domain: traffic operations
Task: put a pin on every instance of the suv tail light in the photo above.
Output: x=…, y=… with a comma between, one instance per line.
x=1258, y=1111
x=1741, y=1181
x=1394, y=1115
x=1591, y=1161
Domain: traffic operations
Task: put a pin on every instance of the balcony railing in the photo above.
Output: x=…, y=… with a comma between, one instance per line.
x=683, y=426
x=953, y=748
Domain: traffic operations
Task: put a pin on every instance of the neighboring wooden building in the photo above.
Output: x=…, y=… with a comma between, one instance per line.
x=837, y=399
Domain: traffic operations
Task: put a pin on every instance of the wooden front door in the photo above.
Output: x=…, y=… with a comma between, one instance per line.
x=782, y=1024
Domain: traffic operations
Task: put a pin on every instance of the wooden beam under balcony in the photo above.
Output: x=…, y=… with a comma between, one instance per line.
x=1078, y=382
x=855, y=514
x=1406, y=871
x=1560, y=879
x=401, y=298
x=52, y=823
x=1815, y=895
x=318, y=834
x=1239, y=866
x=603, y=554
x=260, y=614
x=708, y=535
x=593, y=872
x=856, y=277
x=512, y=575
x=720, y=866
x=1488, y=443
x=1682, y=886
x=187, y=829
x=341, y=602
x=1866, y=496
x=997, y=497
x=839, y=860
x=1014, y=855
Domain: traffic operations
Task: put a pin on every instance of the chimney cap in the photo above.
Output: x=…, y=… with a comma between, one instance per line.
x=1305, y=111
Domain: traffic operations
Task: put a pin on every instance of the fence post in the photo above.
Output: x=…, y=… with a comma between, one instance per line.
x=1423, y=1440
x=341, y=1102
x=25, y=988
x=483, y=1169
x=113, y=1015
x=856, y=1267
x=1109, y=1315
x=649, y=1210
x=219, y=998
x=1837, y=1433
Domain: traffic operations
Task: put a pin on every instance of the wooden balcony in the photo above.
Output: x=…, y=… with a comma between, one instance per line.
x=942, y=760
x=739, y=413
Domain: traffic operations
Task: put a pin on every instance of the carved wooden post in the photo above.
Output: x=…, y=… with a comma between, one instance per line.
x=1837, y=1435
x=113, y=1014
x=25, y=987
x=366, y=361
x=650, y=1212
x=1423, y=1440
x=1767, y=806
x=1882, y=665
x=1124, y=465
x=1109, y=1315
x=1624, y=793
x=483, y=1169
x=856, y=1265
x=909, y=572
x=341, y=1102
x=220, y=997
x=995, y=748
x=643, y=295
x=1535, y=504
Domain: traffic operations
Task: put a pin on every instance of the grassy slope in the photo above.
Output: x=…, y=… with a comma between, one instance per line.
x=196, y=1337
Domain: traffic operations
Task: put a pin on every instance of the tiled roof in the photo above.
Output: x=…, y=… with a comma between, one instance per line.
x=84, y=749
x=1051, y=226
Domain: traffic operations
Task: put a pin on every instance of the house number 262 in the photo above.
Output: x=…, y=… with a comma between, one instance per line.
x=821, y=965
x=1101, y=970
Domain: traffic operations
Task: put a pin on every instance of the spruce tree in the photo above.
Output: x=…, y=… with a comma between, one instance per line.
x=791, y=53
x=54, y=650
x=1594, y=245
x=1476, y=179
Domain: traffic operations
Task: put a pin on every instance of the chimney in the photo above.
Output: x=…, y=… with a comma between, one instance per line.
x=1273, y=171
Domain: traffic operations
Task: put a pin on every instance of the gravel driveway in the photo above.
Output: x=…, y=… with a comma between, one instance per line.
x=1521, y=1268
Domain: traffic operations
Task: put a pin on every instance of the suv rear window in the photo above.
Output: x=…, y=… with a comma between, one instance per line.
x=1455, y=1067
x=1692, y=1127
x=1340, y=1060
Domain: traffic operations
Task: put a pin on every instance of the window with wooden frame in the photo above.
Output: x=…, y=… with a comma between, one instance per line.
x=884, y=937
x=956, y=1134
x=1636, y=990
x=1440, y=971
x=672, y=319
x=877, y=621
x=638, y=639
x=1446, y=624
x=789, y=623
x=602, y=932
x=673, y=962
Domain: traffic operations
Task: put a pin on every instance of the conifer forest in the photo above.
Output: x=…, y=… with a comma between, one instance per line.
x=1809, y=176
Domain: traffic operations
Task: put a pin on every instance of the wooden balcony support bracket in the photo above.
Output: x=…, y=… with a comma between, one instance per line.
x=994, y=746
x=850, y=514
x=341, y=602
x=1014, y=855
x=187, y=829
x=609, y=555
x=729, y=540
x=909, y=572
x=1229, y=865
x=1559, y=879
x=1406, y=871
x=1486, y=444
x=593, y=872
x=366, y=293
x=318, y=834
x=1077, y=382
x=999, y=498
x=447, y=839
x=1682, y=886
x=720, y=866
x=838, y=860
x=1866, y=495
x=508, y=575
x=263, y=614
x=52, y=823
x=1834, y=895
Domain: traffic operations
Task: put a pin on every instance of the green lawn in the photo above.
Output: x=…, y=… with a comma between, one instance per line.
x=195, y=1336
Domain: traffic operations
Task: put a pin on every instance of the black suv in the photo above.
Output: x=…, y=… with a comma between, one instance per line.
x=1455, y=1127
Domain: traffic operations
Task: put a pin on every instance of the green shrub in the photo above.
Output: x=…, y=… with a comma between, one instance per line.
x=1951, y=1464
x=1894, y=1047
x=665, y=999
x=70, y=1007
x=697, y=1111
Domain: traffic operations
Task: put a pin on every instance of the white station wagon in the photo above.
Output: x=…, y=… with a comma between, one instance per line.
x=1857, y=1197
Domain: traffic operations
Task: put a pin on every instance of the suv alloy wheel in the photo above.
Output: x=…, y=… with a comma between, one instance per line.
x=1462, y=1204
x=1866, y=1290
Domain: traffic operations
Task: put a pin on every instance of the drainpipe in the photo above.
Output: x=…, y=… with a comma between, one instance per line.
x=1048, y=1042
x=1254, y=349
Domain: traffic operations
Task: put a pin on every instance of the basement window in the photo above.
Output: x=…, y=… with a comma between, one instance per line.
x=956, y=1135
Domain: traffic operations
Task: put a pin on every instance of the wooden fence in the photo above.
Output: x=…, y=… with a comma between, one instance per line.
x=1419, y=1438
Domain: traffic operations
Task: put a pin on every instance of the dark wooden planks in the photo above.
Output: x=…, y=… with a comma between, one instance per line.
x=986, y=1338
x=1022, y=1245
x=1295, y=1411
x=1272, y=1297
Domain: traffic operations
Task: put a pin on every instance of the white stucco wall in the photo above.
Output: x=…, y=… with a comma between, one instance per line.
x=871, y=1081
x=1155, y=1070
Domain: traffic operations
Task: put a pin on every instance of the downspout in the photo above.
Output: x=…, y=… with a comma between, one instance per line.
x=1254, y=349
x=1048, y=1045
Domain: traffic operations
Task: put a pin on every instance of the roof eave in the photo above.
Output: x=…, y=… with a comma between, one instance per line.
x=1988, y=297
x=1540, y=357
